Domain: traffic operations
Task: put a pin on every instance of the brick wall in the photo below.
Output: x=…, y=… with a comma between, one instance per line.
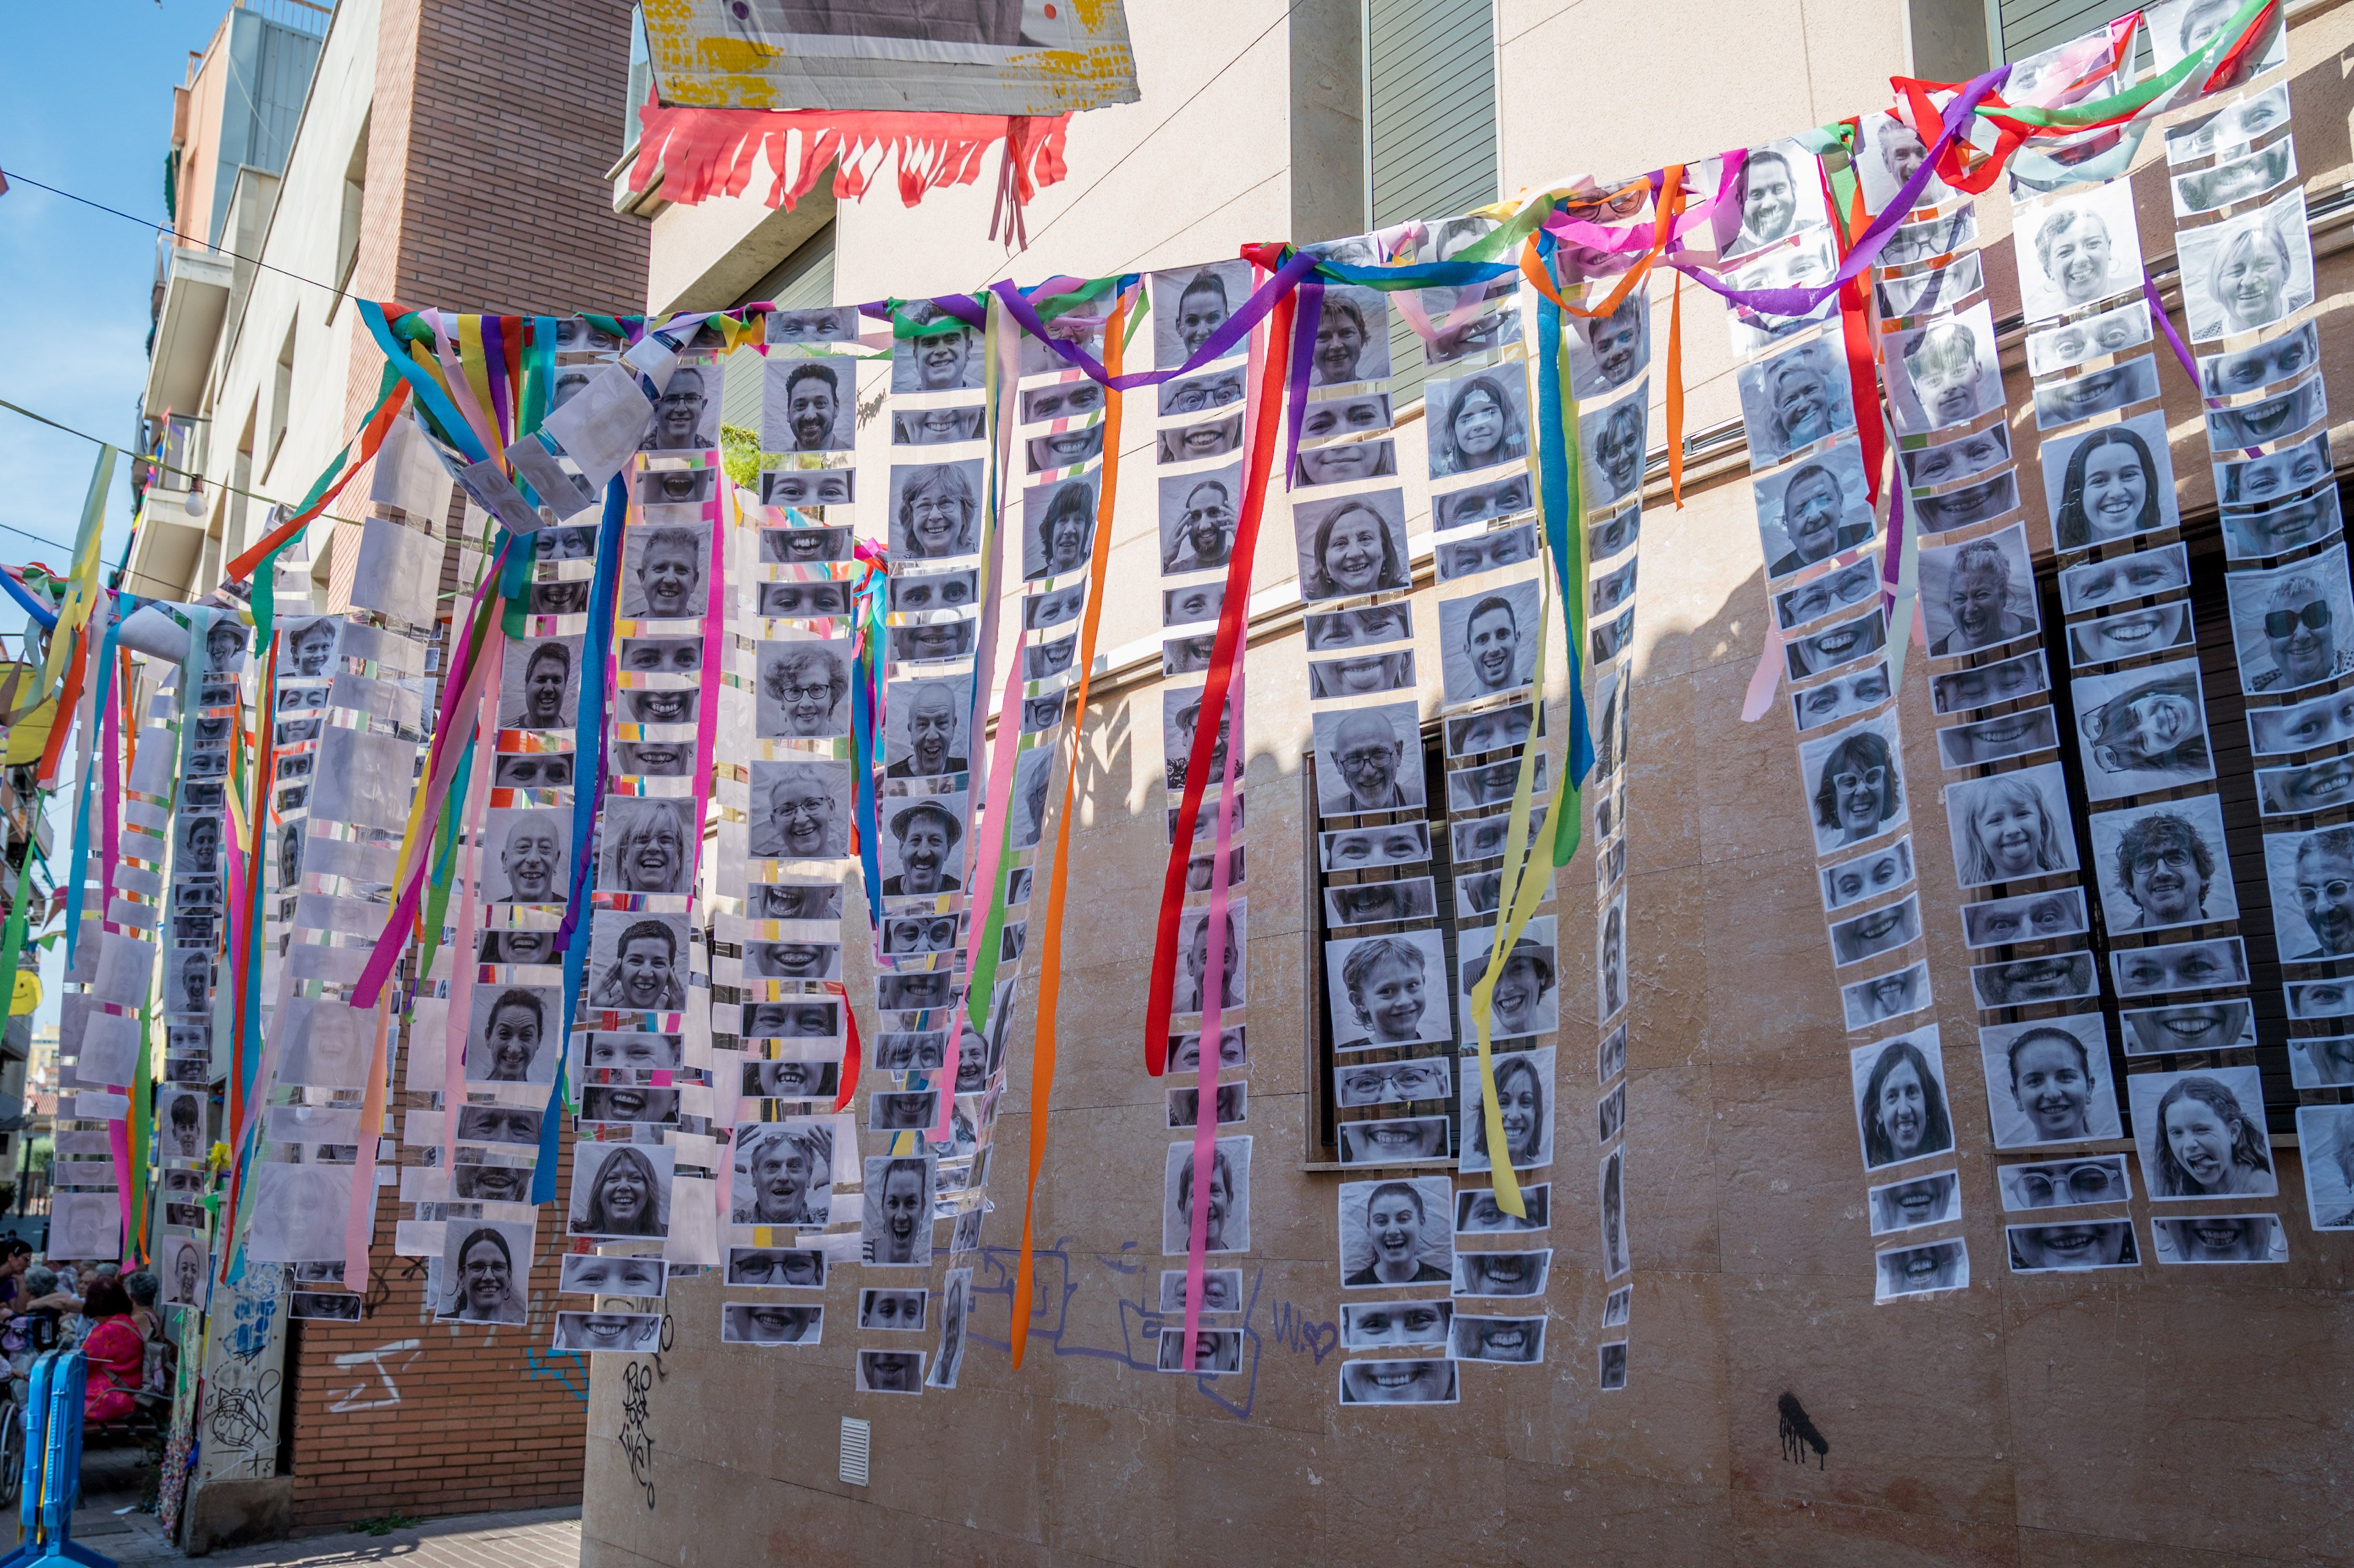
x=492, y=125
x=397, y=1413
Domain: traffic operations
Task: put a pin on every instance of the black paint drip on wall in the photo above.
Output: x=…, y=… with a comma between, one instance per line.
x=1798, y=1434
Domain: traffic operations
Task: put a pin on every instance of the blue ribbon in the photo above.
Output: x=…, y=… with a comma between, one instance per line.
x=588, y=786
x=1553, y=476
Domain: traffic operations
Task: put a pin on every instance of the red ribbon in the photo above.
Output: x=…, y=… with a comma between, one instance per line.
x=1233, y=621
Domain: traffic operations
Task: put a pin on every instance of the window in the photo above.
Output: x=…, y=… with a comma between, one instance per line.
x=281, y=399
x=348, y=231
x=1425, y=900
x=1430, y=117
x=2023, y=27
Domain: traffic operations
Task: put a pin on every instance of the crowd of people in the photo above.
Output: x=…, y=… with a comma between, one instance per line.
x=110, y=1316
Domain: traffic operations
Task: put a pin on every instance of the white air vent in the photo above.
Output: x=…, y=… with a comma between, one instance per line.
x=854, y=1439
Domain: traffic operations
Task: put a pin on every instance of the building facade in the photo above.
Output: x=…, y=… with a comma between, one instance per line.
x=434, y=154
x=2147, y=1417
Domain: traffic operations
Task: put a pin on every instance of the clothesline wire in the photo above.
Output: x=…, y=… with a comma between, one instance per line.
x=13, y=174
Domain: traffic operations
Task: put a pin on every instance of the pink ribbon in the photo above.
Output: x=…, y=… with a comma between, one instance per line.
x=471, y=821
x=1213, y=992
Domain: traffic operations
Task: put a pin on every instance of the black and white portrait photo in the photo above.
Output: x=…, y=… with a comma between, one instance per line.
x=1854, y=785
x=1885, y=998
x=2164, y=866
x=1945, y=373
x=1476, y=421
x=2097, y=585
x=1605, y=353
x=539, y=685
x=1900, y=1106
x=800, y=329
x=2312, y=787
x=1918, y=1201
x=1527, y=999
x=1349, y=547
x=2300, y=726
x=1073, y=445
x=2293, y=626
x=2326, y=1141
x=2071, y=1246
x=1488, y=641
x=2011, y=826
x=686, y=410
x=923, y=845
x=1198, y=515
x=2077, y=250
x=619, y=1190
x=1867, y=875
x=1193, y=443
x=1497, y=549
x=1058, y=527
x=1352, y=338
x=485, y=1272
x=647, y=846
x=800, y=810
x=1223, y=1199
x=2220, y=1238
x=2072, y=344
x=1394, y=1140
x=808, y=405
x=784, y=1176
x=2312, y=879
x=803, y=690
x=1511, y=1341
x=1370, y=758
x=2201, y=1134
x=2143, y=729
x=1776, y=194
x=1366, y=849
x=1980, y=595
x=2209, y=965
x=1395, y=1231
x=514, y=1034
x=895, y=1216
x=1190, y=304
x=924, y=723
x=1180, y=713
x=947, y=356
x=1388, y=989
x=801, y=601
x=1890, y=156
x=2101, y=391
x=2048, y=1082
x=1350, y=675
x=1400, y=1081
x=1814, y=511
x=935, y=509
x=1524, y=1081
x=2248, y=271
x=1611, y=449
x=1792, y=400
x=1194, y=944
x=956, y=1304
x=637, y=962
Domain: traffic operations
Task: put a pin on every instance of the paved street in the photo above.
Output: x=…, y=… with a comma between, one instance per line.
x=113, y=1479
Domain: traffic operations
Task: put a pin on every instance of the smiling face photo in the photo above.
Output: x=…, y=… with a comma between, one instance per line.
x=1488, y=643
x=2164, y=866
x=2293, y=626
x=2248, y=271
x=808, y=404
x=1855, y=789
x=2312, y=880
x=2142, y=729
x=1389, y=989
x=2011, y=826
x=2201, y=1134
x=1811, y=512
x=1794, y=400
x=1900, y=1098
x=1524, y=1082
x=1190, y=304
x=1980, y=595
x=2048, y=1082
x=1369, y=759
x=1612, y=448
x=1945, y=373
x=2077, y=250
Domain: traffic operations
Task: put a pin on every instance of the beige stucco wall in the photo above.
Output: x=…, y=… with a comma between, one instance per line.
x=2163, y=1418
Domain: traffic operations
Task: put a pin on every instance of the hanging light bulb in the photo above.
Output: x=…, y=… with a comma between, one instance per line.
x=195, y=503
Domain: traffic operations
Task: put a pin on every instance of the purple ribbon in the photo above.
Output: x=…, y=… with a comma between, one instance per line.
x=1303, y=350
x=1869, y=244
x=2182, y=351
x=1232, y=330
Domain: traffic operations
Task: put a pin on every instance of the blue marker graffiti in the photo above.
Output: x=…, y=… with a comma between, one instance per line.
x=545, y=1365
x=1055, y=1286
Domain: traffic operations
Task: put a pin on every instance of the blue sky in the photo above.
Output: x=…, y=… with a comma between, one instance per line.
x=74, y=282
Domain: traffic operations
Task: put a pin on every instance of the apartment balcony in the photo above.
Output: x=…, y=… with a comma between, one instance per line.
x=195, y=289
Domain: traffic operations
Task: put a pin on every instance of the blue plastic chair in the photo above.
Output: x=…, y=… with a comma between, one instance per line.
x=53, y=1416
